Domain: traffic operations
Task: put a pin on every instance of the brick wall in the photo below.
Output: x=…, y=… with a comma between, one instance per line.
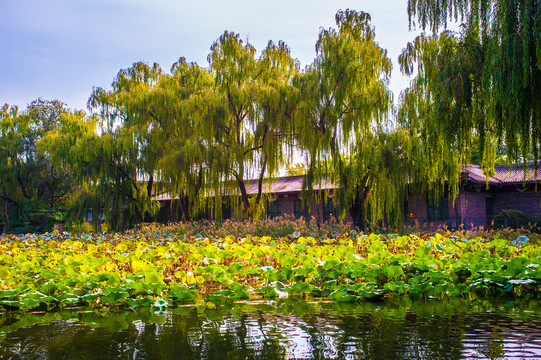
x=316, y=210
x=418, y=213
x=417, y=209
x=528, y=202
x=473, y=208
x=287, y=207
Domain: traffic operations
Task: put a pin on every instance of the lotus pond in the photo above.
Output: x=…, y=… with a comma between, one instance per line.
x=59, y=288
x=45, y=272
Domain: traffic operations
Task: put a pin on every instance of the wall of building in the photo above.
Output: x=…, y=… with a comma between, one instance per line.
x=528, y=202
x=418, y=213
x=287, y=206
x=469, y=210
x=417, y=210
x=167, y=214
x=473, y=208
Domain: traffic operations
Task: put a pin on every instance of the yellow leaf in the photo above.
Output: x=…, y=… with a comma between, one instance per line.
x=85, y=268
x=121, y=248
x=138, y=265
x=210, y=305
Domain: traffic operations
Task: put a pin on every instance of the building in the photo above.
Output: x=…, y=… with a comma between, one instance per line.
x=285, y=193
x=475, y=205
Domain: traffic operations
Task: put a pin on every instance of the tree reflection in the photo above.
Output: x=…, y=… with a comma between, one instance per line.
x=324, y=331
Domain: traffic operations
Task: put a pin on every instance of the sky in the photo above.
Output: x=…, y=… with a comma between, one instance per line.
x=61, y=49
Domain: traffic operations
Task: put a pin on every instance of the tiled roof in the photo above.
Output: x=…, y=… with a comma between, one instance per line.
x=282, y=185
x=505, y=174
x=286, y=185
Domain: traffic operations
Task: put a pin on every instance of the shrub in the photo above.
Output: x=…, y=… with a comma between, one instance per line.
x=282, y=226
x=516, y=219
x=79, y=227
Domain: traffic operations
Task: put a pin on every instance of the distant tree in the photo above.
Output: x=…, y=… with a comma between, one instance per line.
x=75, y=146
x=296, y=169
x=34, y=190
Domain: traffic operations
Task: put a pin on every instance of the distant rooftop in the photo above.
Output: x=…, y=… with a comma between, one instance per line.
x=286, y=185
x=280, y=186
x=505, y=174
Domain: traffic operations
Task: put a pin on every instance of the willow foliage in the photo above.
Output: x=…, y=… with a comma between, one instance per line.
x=250, y=122
x=492, y=70
x=183, y=101
x=343, y=100
x=130, y=146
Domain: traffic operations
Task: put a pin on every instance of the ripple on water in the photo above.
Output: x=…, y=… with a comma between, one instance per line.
x=330, y=331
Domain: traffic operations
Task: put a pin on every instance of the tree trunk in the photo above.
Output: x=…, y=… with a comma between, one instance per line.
x=6, y=212
x=244, y=195
x=260, y=181
x=149, y=186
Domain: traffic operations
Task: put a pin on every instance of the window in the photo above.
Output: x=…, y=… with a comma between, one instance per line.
x=438, y=211
x=329, y=210
x=300, y=210
x=226, y=211
x=273, y=209
x=406, y=211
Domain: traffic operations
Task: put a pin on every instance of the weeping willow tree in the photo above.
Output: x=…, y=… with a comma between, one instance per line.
x=488, y=76
x=250, y=117
x=443, y=106
x=179, y=104
x=342, y=121
x=130, y=144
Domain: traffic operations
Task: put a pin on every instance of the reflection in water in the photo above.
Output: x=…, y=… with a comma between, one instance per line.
x=283, y=330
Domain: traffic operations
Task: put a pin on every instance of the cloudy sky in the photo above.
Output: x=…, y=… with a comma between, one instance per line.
x=60, y=49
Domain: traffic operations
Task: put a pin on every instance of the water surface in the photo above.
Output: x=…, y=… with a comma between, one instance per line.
x=284, y=329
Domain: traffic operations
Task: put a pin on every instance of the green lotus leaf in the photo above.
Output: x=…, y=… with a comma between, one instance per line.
x=349, y=298
x=372, y=294
x=216, y=298
x=393, y=271
x=153, y=277
x=288, y=261
x=184, y=295
x=236, y=287
x=422, y=251
x=268, y=292
x=462, y=274
x=235, y=267
x=68, y=298
x=397, y=287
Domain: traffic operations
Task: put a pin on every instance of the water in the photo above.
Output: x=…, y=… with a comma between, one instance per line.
x=283, y=330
